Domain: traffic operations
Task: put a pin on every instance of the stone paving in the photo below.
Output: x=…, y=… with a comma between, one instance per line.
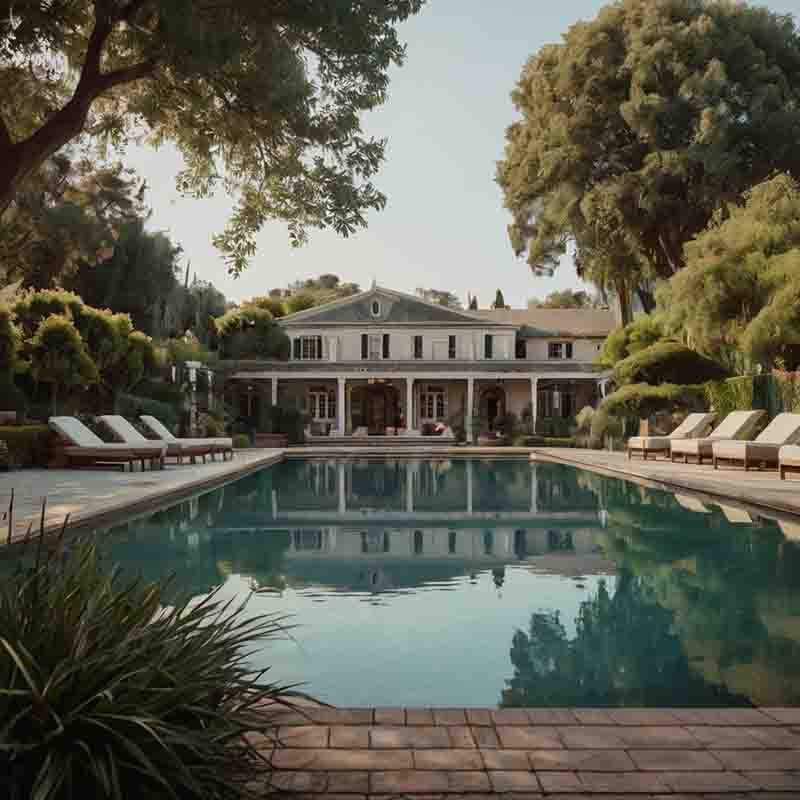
x=97, y=496
x=525, y=754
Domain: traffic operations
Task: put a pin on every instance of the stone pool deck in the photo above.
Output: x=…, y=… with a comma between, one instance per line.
x=100, y=496
x=523, y=754
x=757, y=489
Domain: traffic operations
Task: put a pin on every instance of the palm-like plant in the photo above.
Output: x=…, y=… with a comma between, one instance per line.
x=105, y=692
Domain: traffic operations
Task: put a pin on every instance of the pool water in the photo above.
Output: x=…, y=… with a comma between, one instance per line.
x=485, y=583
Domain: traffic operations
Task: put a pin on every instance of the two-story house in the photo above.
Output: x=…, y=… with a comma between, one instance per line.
x=387, y=362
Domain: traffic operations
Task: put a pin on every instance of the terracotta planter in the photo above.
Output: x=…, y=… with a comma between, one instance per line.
x=271, y=440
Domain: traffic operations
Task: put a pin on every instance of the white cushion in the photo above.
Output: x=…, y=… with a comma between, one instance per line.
x=123, y=429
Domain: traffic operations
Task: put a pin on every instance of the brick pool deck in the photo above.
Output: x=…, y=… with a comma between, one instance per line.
x=525, y=754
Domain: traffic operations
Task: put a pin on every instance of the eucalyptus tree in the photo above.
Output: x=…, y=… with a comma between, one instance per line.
x=262, y=98
x=641, y=124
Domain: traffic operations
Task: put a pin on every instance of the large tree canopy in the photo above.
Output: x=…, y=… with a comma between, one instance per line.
x=740, y=291
x=261, y=97
x=641, y=124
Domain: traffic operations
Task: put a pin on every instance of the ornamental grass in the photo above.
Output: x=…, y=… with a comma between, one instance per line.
x=107, y=692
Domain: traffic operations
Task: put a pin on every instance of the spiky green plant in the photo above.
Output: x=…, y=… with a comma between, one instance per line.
x=105, y=692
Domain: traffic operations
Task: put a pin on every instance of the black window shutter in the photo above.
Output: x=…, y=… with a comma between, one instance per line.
x=488, y=346
x=296, y=346
x=569, y=349
x=364, y=346
x=451, y=347
x=319, y=348
x=386, y=345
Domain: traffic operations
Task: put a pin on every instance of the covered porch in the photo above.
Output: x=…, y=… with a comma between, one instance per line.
x=446, y=405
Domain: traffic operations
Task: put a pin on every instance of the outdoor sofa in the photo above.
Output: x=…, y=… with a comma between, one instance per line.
x=84, y=446
x=218, y=444
x=123, y=429
x=693, y=426
x=763, y=450
x=737, y=425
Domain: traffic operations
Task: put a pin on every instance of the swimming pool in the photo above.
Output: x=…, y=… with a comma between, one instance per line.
x=483, y=583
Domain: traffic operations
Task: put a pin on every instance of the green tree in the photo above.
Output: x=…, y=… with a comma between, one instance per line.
x=740, y=292
x=300, y=302
x=251, y=332
x=261, y=98
x=439, y=298
x=640, y=125
x=626, y=340
x=59, y=357
x=66, y=213
x=139, y=279
x=10, y=341
x=272, y=304
x=499, y=300
x=566, y=298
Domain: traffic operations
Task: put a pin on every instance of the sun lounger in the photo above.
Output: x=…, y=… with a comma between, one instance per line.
x=219, y=444
x=123, y=429
x=763, y=450
x=86, y=447
x=693, y=426
x=788, y=459
x=737, y=425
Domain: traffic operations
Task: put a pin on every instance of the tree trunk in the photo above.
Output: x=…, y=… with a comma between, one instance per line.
x=624, y=301
x=646, y=299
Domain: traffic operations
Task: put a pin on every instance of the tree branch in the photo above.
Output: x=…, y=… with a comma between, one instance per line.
x=134, y=72
x=5, y=136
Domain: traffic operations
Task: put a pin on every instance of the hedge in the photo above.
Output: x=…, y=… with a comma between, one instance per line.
x=28, y=445
x=550, y=441
x=133, y=406
x=671, y=363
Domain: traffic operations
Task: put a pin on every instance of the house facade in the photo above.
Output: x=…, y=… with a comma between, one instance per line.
x=383, y=362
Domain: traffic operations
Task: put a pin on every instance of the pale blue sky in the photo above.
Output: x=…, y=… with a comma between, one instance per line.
x=444, y=226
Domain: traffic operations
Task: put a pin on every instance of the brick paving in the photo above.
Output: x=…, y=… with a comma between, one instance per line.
x=524, y=754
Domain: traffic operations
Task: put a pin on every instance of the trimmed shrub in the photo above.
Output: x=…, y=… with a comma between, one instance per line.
x=671, y=363
x=133, y=406
x=550, y=441
x=734, y=394
x=241, y=441
x=251, y=332
x=28, y=445
x=113, y=689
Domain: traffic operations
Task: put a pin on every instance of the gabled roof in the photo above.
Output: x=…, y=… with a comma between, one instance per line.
x=536, y=322
x=396, y=308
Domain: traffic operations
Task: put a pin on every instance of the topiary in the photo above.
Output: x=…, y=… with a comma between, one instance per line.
x=668, y=362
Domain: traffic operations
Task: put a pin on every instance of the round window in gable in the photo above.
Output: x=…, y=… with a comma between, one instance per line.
x=376, y=308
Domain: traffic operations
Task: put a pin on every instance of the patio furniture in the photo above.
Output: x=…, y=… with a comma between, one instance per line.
x=218, y=444
x=693, y=426
x=86, y=447
x=763, y=450
x=788, y=459
x=123, y=429
x=691, y=504
x=738, y=424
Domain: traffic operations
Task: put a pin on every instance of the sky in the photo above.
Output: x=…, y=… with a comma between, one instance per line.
x=444, y=226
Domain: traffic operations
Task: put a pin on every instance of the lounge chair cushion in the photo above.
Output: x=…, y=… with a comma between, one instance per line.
x=692, y=426
x=73, y=430
x=132, y=438
x=692, y=447
x=784, y=429
x=161, y=430
x=649, y=442
x=753, y=451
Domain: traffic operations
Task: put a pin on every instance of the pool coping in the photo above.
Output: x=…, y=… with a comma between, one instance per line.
x=641, y=472
x=522, y=754
x=109, y=513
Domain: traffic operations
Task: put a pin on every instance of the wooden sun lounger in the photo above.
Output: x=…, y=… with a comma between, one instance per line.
x=763, y=450
x=123, y=429
x=694, y=425
x=218, y=444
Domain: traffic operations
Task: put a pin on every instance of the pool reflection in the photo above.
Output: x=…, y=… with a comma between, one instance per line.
x=590, y=591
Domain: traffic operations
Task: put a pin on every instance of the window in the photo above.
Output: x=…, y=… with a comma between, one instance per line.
x=433, y=403
x=417, y=347
x=560, y=350
x=322, y=404
x=488, y=346
x=376, y=308
x=521, y=348
x=386, y=345
x=451, y=542
x=417, y=543
x=557, y=402
x=375, y=347
x=311, y=348
x=364, y=346
x=451, y=347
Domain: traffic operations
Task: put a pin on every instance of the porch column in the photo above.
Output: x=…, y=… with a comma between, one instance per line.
x=468, y=419
x=409, y=404
x=534, y=402
x=340, y=409
x=274, y=391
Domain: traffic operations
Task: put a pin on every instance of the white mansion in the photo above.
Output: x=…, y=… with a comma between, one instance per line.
x=385, y=362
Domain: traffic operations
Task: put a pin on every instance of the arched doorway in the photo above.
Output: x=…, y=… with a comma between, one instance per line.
x=493, y=405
